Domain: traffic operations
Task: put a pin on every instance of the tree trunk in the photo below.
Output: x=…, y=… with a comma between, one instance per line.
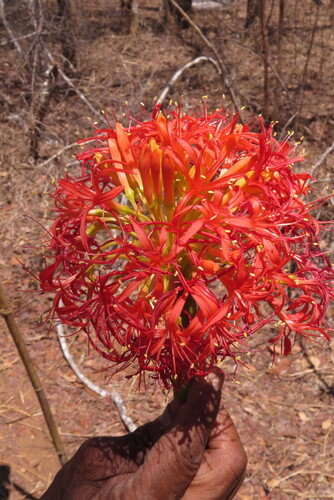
x=67, y=39
x=253, y=12
x=186, y=6
x=130, y=16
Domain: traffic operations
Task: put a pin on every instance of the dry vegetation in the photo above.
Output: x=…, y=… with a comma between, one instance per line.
x=284, y=414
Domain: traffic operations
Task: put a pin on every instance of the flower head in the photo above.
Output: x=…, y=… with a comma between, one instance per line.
x=183, y=236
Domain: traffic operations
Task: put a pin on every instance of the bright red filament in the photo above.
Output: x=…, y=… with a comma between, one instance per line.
x=179, y=233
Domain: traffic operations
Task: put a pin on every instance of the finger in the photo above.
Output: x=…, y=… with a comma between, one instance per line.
x=223, y=467
x=175, y=458
x=147, y=435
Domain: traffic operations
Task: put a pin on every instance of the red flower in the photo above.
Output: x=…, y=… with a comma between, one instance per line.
x=177, y=234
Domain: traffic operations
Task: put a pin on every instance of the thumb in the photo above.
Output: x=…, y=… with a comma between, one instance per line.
x=175, y=458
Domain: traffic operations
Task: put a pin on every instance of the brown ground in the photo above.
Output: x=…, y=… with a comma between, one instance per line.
x=284, y=413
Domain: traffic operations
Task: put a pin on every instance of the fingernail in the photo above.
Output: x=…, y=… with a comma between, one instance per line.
x=216, y=378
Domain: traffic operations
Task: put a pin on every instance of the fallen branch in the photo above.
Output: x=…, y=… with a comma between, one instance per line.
x=220, y=62
x=179, y=72
x=115, y=396
x=34, y=378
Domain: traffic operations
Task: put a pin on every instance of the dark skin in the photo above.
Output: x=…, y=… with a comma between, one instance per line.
x=191, y=452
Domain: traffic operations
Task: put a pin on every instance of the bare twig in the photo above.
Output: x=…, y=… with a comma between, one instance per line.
x=253, y=11
x=6, y=42
x=37, y=19
x=61, y=151
x=179, y=72
x=67, y=35
x=8, y=316
x=210, y=45
x=265, y=48
x=324, y=156
x=308, y=57
x=115, y=396
x=71, y=84
x=329, y=388
x=279, y=79
x=290, y=120
x=280, y=38
x=273, y=69
x=41, y=108
x=80, y=94
x=12, y=37
x=40, y=93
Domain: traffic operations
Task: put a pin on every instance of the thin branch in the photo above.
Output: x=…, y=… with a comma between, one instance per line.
x=80, y=94
x=280, y=36
x=279, y=79
x=12, y=37
x=273, y=69
x=67, y=35
x=36, y=49
x=115, y=396
x=308, y=58
x=59, y=152
x=290, y=120
x=213, y=49
x=329, y=388
x=41, y=108
x=8, y=316
x=71, y=84
x=179, y=72
x=265, y=49
x=280, y=39
x=19, y=38
x=324, y=156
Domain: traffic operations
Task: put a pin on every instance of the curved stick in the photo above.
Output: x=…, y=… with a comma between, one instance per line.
x=115, y=396
x=179, y=72
x=210, y=45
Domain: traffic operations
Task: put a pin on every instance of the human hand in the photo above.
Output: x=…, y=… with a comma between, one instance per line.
x=191, y=452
